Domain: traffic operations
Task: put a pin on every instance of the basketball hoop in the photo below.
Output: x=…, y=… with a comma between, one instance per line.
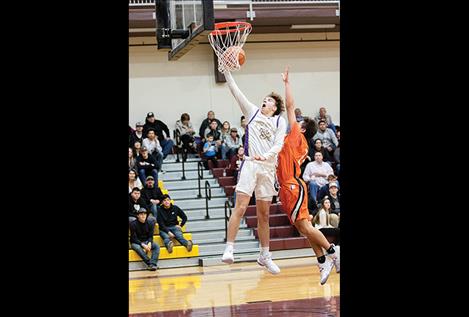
x=227, y=41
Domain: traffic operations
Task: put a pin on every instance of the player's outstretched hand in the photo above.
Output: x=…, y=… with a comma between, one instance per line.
x=285, y=75
x=259, y=158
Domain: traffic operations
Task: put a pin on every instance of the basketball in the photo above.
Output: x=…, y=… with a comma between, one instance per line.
x=233, y=50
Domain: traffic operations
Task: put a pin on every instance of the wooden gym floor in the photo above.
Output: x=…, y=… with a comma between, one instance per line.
x=242, y=289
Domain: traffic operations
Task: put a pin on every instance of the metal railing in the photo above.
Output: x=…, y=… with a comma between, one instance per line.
x=208, y=196
x=200, y=172
x=177, y=139
x=227, y=218
x=184, y=159
x=136, y=3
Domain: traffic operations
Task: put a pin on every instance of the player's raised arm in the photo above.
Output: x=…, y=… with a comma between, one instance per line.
x=290, y=104
x=247, y=107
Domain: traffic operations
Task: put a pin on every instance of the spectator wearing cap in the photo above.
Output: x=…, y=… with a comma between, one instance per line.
x=152, y=195
x=162, y=132
x=205, y=124
x=186, y=131
x=141, y=239
x=137, y=135
x=230, y=144
x=169, y=224
x=154, y=148
x=324, y=191
x=147, y=165
x=136, y=202
x=334, y=197
x=327, y=136
x=134, y=181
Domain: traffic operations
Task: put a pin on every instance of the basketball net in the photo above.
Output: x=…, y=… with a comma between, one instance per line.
x=227, y=40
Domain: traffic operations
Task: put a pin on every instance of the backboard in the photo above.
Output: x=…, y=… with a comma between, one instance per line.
x=194, y=16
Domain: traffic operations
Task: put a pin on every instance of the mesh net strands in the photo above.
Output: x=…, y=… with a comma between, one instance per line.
x=227, y=41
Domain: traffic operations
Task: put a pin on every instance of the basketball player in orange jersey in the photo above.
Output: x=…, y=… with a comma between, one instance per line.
x=293, y=190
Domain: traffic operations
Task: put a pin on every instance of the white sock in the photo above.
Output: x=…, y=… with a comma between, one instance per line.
x=229, y=246
x=264, y=251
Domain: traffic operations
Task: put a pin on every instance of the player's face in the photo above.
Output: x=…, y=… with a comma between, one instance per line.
x=268, y=106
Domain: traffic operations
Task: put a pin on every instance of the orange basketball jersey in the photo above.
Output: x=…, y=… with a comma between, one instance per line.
x=293, y=192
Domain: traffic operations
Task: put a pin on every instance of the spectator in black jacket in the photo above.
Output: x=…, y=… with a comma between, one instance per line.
x=159, y=127
x=204, y=125
x=152, y=195
x=136, y=202
x=141, y=239
x=137, y=135
x=169, y=224
x=147, y=166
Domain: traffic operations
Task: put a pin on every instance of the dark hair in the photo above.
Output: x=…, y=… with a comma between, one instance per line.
x=135, y=189
x=322, y=120
x=310, y=128
x=185, y=116
x=242, y=118
x=163, y=198
x=209, y=135
x=278, y=102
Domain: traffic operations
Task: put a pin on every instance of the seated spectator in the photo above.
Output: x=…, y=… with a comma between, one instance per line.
x=204, y=125
x=186, y=131
x=236, y=161
x=334, y=198
x=324, y=116
x=134, y=181
x=324, y=191
x=230, y=144
x=137, y=148
x=161, y=131
x=214, y=130
x=298, y=115
x=225, y=131
x=136, y=202
x=327, y=136
x=242, y=128
x=324, y=218
x=210, y=150
x=137, y=135
x=317, y=146
x=147, y=165
x=169, y=224
x=152, y=144
x=315, y=175
x=152, y=195
x=141, y=239
x=132, y=159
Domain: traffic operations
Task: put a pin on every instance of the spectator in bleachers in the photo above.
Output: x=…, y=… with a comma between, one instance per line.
x=214, y=130
x=324, y=116
x=317, y=146
x=337, y=152
x=152, y=144
x=327, y=136
x=334, y=198
x=135, y=203
x=236, y=160
x=186, y=130
x=315, y=175
x=141, y=239
x=230, y=144
x=152, y=195
x=169, y=224
x=298, y=115
x=242, y=128
x=137, y=149
x=161, y=131
x=204, y=125
x=147, y=165
x=132, y=159
x=210, y=150
x=225, y=130
x=134, y=181
x=324, y=191
x=325, y=218
x=137, y=135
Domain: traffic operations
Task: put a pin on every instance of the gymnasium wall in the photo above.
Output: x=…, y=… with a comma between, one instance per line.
x=169, y=88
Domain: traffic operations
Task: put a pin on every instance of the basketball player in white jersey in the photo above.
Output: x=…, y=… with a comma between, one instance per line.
x=264, y=137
